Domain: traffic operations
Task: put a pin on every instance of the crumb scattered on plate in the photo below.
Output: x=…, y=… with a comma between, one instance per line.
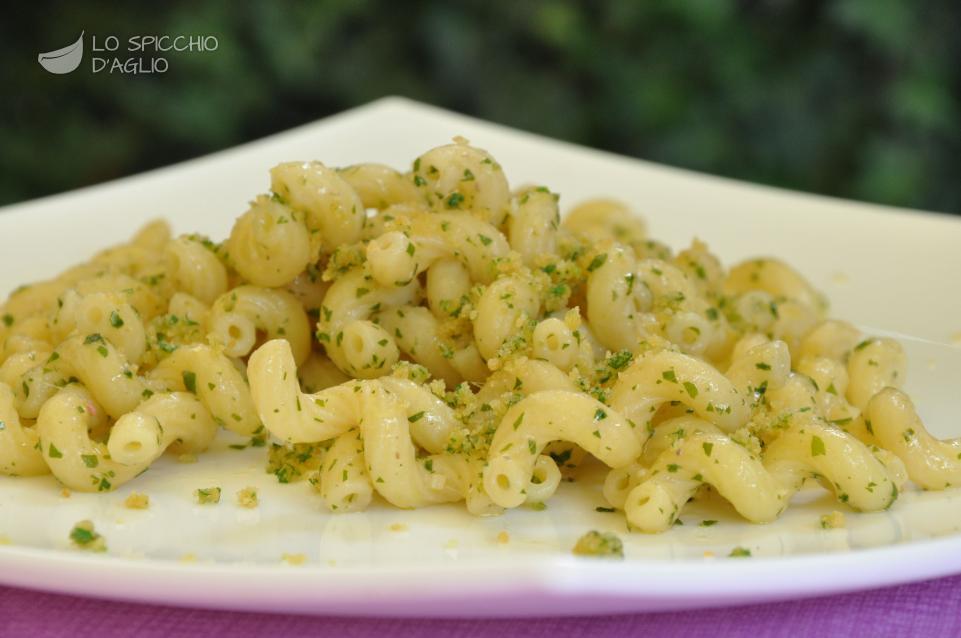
x=248, y=498
x=207, y=495
x=600, y=544
x=65, y=493
x=503, y=538
x=85, y=537
x=294, y=559
x=137, y=501
x=398, y=527
x=834, y=520
x=187, y=458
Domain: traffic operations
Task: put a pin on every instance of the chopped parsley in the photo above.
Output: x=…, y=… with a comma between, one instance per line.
x=85, y=537
x=190, y=381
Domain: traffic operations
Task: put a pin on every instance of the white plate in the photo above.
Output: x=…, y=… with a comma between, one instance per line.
x=882, y=268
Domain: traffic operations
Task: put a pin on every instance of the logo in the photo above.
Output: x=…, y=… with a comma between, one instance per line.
x=63, y=60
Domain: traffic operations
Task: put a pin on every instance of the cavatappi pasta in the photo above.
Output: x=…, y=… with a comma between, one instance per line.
x=434, y=336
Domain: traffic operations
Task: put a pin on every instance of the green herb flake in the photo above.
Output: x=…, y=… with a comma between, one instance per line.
x=620, y=359
x=597, y=262
x=740, y=552
x=190, y=381
x=817, y=446
x=54, y=453
x=414, y=418
x=455, y=200
x=115, y=320
x=691, y=389
x=85, y=537
x=90, y=460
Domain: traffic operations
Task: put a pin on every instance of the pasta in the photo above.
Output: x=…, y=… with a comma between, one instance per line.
x=432, y=336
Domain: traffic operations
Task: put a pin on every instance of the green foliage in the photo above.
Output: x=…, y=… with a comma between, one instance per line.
x=855, y=98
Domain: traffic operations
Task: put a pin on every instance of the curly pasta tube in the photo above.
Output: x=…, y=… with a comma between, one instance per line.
x=448, y=284
x=20, y=453
x=237, y=316
x=396, y=472
x=105, y=313
x=549, y=416
x=759, y=491
x=503, y=306
x=431, y=421
x=270, y=244
x=291, y=415
x=524, y=376
x=356, y=345
x=874, y=364
x=396, y=257
x=97, y=364
x=196, y=269
x=343, y=480
x=777, y=279
x=599, y=220
x=532, y=228
x=215, y=380
x=379, y=186
x=335, y=215
x=461, y=177
x=170, y=419
x=656, y=378
x=931, y=463
x=831, y=339
x=76, y=460
x=417, y=334
x=616, y=301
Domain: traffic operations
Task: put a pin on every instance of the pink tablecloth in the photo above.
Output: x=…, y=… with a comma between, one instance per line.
x=927, y=609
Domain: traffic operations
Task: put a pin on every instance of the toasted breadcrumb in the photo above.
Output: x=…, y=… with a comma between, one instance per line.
x=248, y=498
x=594, y=543
x=137, y=501
x=294, y=559
x=65, y=493
x=834, y=520
x=503, y=538
x=398, y=527
x=207, y=495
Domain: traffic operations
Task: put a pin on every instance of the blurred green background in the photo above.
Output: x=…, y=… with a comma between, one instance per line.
x=854, y=98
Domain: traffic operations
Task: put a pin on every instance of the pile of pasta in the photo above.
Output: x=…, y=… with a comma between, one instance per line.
x=434, y=336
